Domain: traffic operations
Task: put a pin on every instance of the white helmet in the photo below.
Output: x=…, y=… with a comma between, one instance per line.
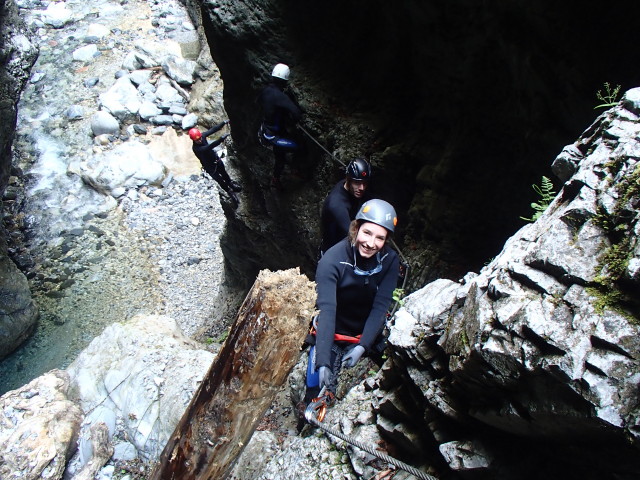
x=281, y=71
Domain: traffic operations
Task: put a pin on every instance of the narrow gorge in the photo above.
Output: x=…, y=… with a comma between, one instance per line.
x=515, y=353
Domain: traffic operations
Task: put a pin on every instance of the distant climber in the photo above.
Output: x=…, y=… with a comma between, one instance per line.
x=211, y=162
x=343, y=202
x=280, y=113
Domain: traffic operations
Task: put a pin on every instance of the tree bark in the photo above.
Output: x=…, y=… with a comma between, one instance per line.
x=261, y=350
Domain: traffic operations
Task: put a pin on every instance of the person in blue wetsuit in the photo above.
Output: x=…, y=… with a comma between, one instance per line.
x=342, y=203
x=210, y=161
x=355, y=280
x=280, y=112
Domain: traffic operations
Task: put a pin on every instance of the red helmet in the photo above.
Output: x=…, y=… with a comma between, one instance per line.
x=195, y=134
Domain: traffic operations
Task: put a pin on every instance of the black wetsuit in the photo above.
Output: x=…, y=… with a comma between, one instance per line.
x=278, y=110
x=349, y=303
x=210, y=161
x=338, y=210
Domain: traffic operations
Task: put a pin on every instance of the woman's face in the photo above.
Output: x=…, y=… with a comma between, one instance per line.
x=370, y=239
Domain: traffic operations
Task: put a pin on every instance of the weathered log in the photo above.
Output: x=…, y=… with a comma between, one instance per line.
x=261, y=350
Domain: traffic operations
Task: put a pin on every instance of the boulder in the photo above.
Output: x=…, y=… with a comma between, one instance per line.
x=103, y=123
x=127, y=165
x=145, y=371
x=40, y=427
x=18, y=311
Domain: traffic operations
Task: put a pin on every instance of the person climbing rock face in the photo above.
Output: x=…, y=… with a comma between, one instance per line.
x=280, y=113
x=355, y=280
x=342, y=203
x=210, y=161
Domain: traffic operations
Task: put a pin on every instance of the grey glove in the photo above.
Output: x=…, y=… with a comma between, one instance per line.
x=324, y=376
x=224, y=137
x=353, y=356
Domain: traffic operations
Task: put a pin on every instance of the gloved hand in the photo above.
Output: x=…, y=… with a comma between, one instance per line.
x=226, y=121
x=353, y=356
x=324, y=376
x=224, y=137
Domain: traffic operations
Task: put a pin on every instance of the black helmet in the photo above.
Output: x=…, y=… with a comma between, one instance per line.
x=379, y=212
x=358, y=169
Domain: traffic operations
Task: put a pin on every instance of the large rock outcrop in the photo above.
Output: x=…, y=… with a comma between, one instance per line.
x=18, y=313
x=532, y=365
x=458, y=105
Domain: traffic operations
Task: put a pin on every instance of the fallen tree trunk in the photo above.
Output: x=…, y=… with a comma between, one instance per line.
x=262, y=348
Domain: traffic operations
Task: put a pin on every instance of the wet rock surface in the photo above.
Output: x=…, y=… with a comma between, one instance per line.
x=110, y=225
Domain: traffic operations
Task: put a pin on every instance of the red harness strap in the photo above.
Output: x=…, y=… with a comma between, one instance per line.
x=339, y=337
x=346, y=338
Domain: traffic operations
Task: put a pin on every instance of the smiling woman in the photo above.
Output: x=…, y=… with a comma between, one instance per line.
x=355, y=281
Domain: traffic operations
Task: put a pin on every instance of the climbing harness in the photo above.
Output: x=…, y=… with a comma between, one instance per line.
x=315, y=413
x=321, y=146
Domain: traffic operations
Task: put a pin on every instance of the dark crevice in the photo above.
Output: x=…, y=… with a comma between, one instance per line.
x=557, y=272
x=527, y=282
x=540, y=343
x=601, y=344
x=592, y=368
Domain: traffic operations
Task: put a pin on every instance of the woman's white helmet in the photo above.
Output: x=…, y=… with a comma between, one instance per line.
x=281, y=71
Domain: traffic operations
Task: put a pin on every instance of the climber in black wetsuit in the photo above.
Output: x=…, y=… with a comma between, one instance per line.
x=279, y=113
x=210, y=161
x=355, y=280
x=342, y=203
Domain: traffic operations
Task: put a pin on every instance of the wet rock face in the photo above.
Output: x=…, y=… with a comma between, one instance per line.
x=17, y=56
x=460, y=107
x=18, y=313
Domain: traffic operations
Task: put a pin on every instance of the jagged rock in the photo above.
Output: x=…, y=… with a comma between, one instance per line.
x=179, y=69
x=122, y=99
x=535, y=346
x=127, y=370
x=18, y=311
x=40, y=426
x=129, y=164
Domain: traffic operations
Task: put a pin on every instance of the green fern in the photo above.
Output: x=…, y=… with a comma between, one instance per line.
x=546, y=193
x=608, y=99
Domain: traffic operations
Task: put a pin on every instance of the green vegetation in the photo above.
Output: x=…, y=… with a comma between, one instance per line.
x=398, y=293
x=615, y=261
x=608, y=99
x=546, y=193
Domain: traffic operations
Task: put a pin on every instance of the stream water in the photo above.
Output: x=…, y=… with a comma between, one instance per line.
x=96, y=260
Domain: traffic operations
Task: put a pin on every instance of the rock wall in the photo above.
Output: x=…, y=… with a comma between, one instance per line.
x=530, y=369
x=18, y=312
x=458, y=105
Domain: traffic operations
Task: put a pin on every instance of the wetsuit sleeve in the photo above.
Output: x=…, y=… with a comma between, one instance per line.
x=213, y=130
x=327, y=276
x=214, y=144
x=287, y=104
x=381, y=303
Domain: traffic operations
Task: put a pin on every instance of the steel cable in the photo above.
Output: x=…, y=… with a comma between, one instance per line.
x=382, y=456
